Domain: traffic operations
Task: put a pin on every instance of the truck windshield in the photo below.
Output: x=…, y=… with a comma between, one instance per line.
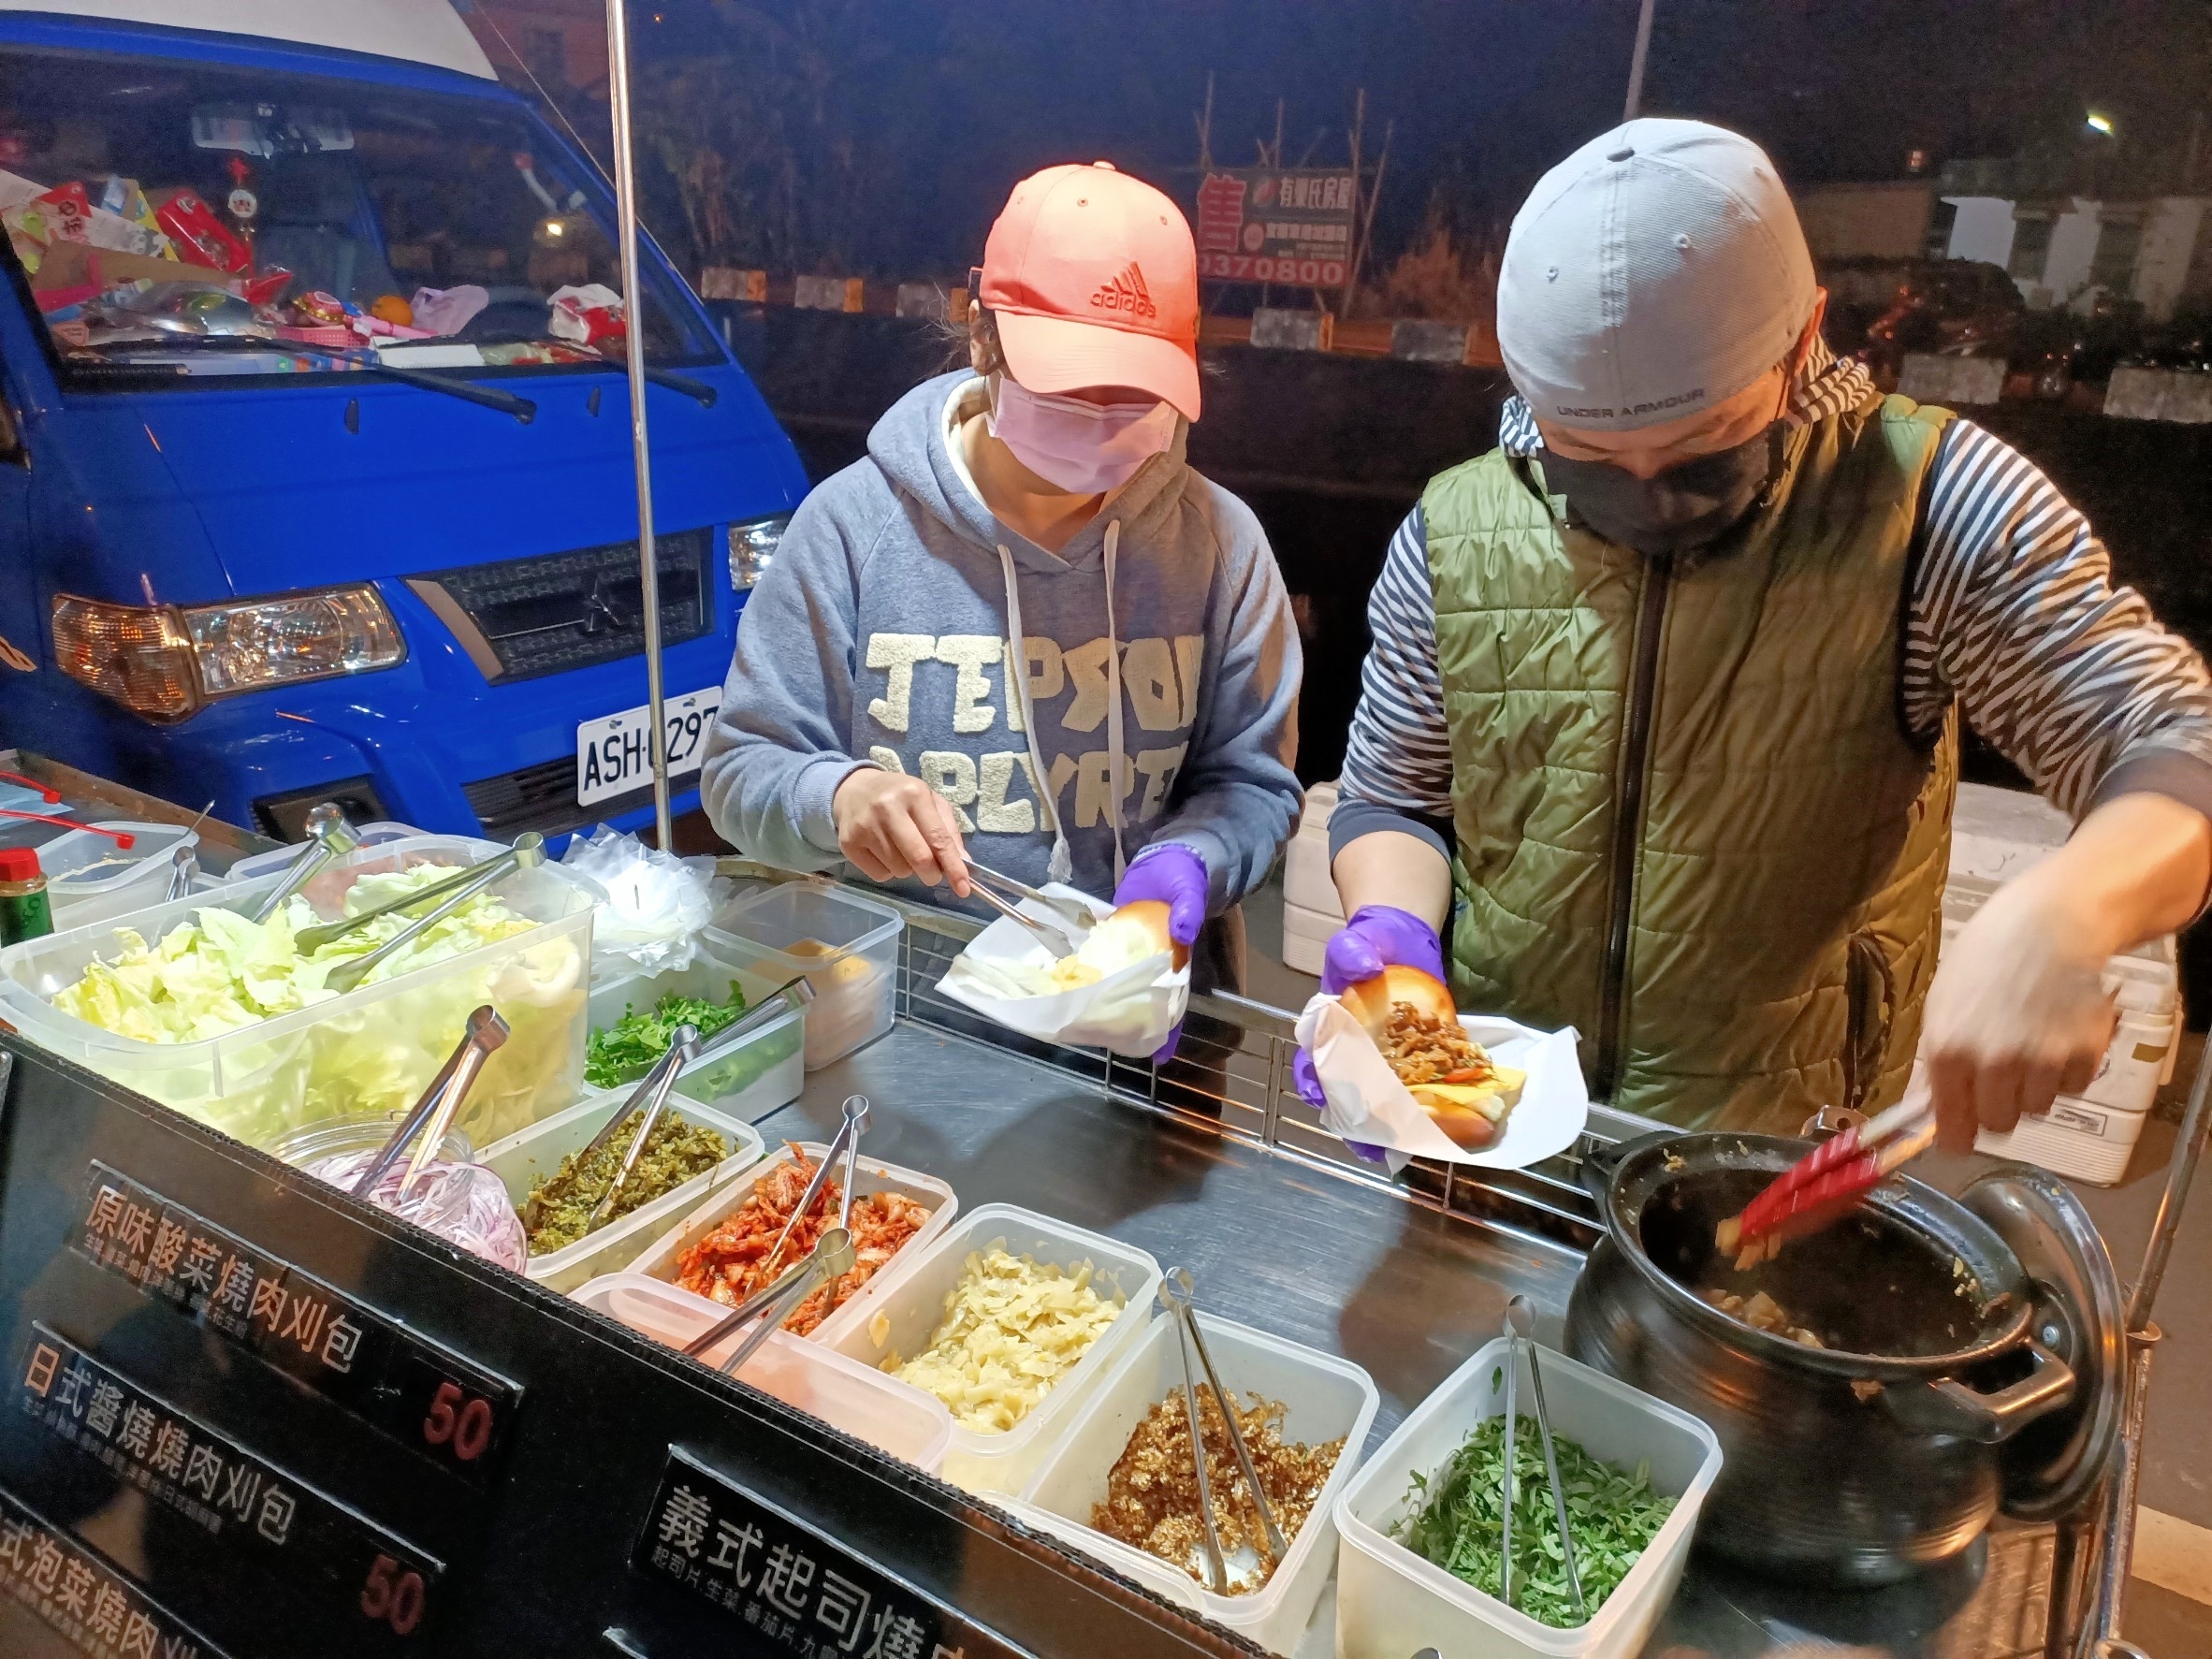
x=180, y=222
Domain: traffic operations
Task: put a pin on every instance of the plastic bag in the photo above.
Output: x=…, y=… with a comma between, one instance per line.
x=651, y=904
x=1129, y=1013
x=1368, y=1104
x=586, y=315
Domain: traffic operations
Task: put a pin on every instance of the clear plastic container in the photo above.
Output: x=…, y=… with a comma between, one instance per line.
x=453, y=1196
x=765, y=1071
x=1328, y=1398
x=1390, y=1601
x=370, y=1052
x=443, y=849
x=89, y=879
x=887, y=1414
x=524, y=1160
x=910, y=1301
x=846, y=946
x=658, y=1260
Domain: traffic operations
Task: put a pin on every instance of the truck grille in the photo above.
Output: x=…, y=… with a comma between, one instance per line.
x=523, y=618
x=544, y=798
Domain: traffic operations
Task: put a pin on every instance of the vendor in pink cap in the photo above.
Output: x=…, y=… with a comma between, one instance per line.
x=1138, y=740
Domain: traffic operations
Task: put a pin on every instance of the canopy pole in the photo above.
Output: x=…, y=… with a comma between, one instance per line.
x=1636, y=63
x=649, y=573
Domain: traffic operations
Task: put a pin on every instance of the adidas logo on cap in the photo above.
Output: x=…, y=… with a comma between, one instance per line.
x=1126, y=292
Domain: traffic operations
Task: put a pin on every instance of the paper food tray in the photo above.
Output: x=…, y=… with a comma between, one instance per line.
x=1367, y=1103
x=1129, y=1013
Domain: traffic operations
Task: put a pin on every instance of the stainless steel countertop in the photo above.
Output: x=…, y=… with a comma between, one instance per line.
x=1402, y=1289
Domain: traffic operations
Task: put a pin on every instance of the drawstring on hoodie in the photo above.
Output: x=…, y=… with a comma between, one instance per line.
x=1062, y=865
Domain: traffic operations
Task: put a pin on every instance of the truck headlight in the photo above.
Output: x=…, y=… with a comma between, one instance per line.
x=752, y=548
x=164, y=661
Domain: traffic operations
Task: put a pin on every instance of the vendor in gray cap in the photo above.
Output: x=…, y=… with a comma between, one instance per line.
x=1663, y=710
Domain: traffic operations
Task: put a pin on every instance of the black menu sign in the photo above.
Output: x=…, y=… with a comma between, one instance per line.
x=83, y=1596
x=430, y=1399
x=311, y=1543
x=789, y=1582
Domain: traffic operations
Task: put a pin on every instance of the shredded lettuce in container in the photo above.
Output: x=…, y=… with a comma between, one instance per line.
x=1612, y=1515
x=219, y=972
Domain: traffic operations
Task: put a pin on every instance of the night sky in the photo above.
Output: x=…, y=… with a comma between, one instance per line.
x=897, y=127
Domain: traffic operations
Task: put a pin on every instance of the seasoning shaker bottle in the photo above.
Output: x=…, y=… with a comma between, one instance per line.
x=25, y=912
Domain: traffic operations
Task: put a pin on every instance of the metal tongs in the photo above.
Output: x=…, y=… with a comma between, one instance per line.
x=183, y=871
x=527, y=852
x=1521, y=1320
x=433, y=1116
x=847, y=1142
x=1828, y=1182
x=328, y=837
x=831, y=1258
x=1069, y=924
x=1176, y=1291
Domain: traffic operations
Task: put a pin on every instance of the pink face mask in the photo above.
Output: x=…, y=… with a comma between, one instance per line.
x=1085, y=448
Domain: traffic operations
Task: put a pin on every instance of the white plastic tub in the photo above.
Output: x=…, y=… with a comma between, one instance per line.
x=864, y=1404
x=845, y=945
x=764, y=1071
x=369, y=1052
x=1390, y=1601
x=1328, y=1398
x=522, y=1160
x=658, y=1260
x=908, y=1303
x=2076, y=1138
x=84, y=887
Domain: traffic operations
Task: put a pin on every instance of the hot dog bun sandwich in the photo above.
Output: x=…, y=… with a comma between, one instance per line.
x=1411, y=1017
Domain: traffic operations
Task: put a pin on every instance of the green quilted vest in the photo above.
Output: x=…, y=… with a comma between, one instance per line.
x=1691, y=821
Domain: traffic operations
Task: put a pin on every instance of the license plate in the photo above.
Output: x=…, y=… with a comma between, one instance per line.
x=613, y=755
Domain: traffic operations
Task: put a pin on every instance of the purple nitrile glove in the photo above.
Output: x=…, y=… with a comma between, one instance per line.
x=1374, y=937
x=1177, y=877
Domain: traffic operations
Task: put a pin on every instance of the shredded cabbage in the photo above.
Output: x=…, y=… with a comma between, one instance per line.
x=220, y=972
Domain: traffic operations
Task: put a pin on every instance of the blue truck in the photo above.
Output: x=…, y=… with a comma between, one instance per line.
x=268, y=539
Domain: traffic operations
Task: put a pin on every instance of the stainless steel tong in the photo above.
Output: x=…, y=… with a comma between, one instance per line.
x=831, y=1258
x=847, y=1142
x=527, y=852
x=433, y=1116
x=328, y=837
x=1520, y=1321
x=183, y=870
x=1069, y=923
x=1177, y=1290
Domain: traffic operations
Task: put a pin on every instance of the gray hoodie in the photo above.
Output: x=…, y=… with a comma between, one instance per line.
x=878, y=636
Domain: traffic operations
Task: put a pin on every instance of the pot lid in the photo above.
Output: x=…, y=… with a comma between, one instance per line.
x=2051, y=1465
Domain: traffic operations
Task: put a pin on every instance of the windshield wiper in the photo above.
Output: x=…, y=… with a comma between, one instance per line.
x=697, y=390
x=522, y=409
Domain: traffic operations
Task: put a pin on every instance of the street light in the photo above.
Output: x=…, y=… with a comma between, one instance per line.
x=2100, y=124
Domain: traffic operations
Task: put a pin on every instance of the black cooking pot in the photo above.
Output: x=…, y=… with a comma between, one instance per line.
x=1884, y=1450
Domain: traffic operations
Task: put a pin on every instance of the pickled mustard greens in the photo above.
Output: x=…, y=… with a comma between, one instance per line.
x=1612, y=1515
x=625, y=1051
x=674, y=1153
x=219, y=975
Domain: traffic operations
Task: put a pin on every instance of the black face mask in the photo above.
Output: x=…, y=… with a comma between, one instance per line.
x=1691, y=504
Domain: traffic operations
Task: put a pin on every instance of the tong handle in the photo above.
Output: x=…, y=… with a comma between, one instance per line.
x=528, y=849
x=484, y=1032
x=679, y=1056
x=329, y=837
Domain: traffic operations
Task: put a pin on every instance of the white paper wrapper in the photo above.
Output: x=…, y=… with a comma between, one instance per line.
x=1129, y=1013
x=1368, y=1103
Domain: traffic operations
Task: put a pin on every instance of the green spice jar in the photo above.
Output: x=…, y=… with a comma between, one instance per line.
x=24, y=910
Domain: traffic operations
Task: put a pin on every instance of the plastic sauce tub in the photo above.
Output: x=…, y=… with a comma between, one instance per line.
x=658, y=1259
x=524, y=1160
x=887, y=1414
x=1390, y=1601
x=845, y=945
x=909, y=1301
x=369, y=1052
x=764, y=1071
x=85, y=886
x=1327, y=1398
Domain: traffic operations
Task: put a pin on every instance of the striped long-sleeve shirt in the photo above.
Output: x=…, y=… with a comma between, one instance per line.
x=2013, y=617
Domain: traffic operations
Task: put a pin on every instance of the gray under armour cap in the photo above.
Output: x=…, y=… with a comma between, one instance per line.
x=1655, y=272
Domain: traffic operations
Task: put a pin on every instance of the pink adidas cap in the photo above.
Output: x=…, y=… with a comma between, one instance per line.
x=1093, y=278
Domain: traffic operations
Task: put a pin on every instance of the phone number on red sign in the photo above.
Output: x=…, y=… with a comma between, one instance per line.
x=1243, y=267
